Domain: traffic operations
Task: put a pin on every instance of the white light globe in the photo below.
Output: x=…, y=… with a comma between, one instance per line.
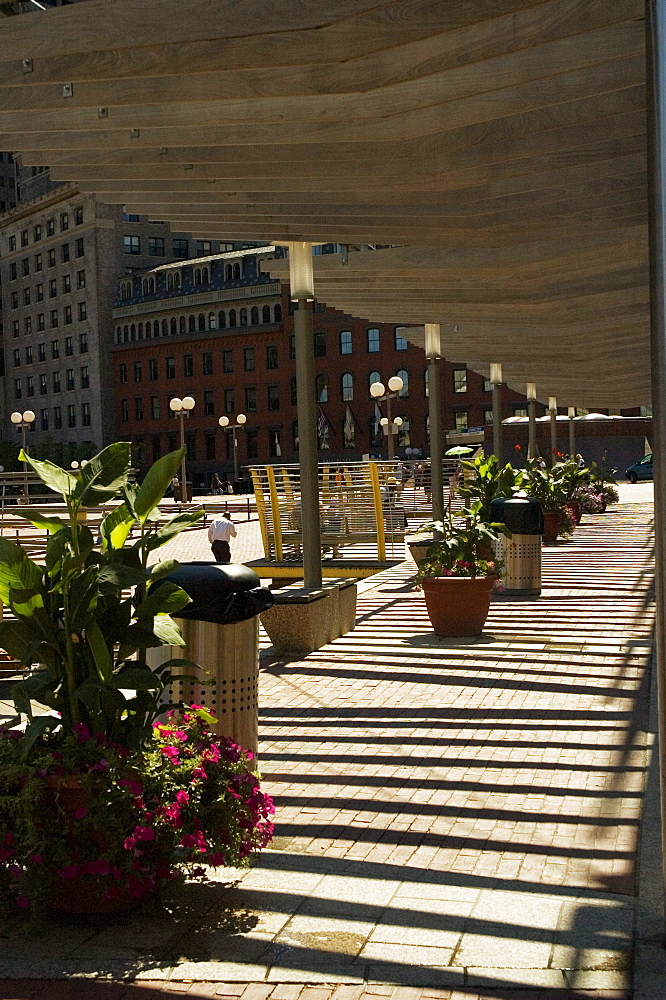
x=223, y=421
x=377, y=389
x=74, y=465
x=16, y=418
x=188, y=403
x=28, y=416
x=241, y=418
x=176, y=404
x=84, y=463
x=397, y=421
x=395, y=383
x=384, y=422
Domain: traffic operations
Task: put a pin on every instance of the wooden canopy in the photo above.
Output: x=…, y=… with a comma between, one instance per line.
x=497, y=146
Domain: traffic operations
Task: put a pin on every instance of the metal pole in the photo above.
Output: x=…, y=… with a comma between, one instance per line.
x=389, y=428
x=553, y=437
x=436, y=437
x=183, y=470
x=235, y=444
x=572, y=438
x=533, y=445
x=497, y=421
x=25, y=464
x=307, y=443
x=656, y=135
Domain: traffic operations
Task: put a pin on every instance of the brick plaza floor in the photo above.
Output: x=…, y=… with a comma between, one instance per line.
x=453, y=817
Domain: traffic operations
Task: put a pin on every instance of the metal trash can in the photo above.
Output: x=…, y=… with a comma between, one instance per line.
x=521, y=553
x=221, y=631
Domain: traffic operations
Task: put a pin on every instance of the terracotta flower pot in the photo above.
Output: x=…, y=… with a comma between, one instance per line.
x=458, y=605
x=550, y=527
x=575, y=511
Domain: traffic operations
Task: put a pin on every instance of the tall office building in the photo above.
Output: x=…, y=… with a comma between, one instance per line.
x=8, y=195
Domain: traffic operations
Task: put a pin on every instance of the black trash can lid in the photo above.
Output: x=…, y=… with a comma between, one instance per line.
x=521, y=515
x=223, y=594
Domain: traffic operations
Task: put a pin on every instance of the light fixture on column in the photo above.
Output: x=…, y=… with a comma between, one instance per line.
x=532, y=443
x=395, y=383
x=181, y=408
x=531, y=390
x=377, y=389
x=433, y=340
x=552, y=403
x=496, y=374
x=571, y=412
x=301, y=274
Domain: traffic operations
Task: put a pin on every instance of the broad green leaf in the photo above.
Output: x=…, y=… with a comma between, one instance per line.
x=17, y=638
x=42, y=724
x=91, y=692
x=116, y=526
x=100, y=650
x=169, y=530
x=40, y=687
x=103, y=476
x=154, y=486
x=162, y=569
x=51, y=475
x=166, y=629
x=166, y=598
x=82, y=599
x=116, y=576
x=137, y=679
x=20, y=572
x=40, y=520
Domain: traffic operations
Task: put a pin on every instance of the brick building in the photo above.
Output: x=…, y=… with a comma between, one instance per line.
x=61, y=256
x=220, y=330
x=8, y=195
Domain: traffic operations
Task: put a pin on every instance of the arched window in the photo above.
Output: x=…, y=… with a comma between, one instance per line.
x=165, y=328
x=133, y=332
x=212, y=321
x=404, y=375
x=126, y=333
x=221, y=319
x=197, y=276
x=426, y=382
x=192, y=324
x=373, y=377
x=140, y=331
x=254, y=316
x=202, y=321
x=174, y=326
x=237, y=272
x=404, y=439
x=347, y=387
x=149, y=330
x=322, y=388
x=228, y=272
x=144, y=286
x=293, y=392
x=176, y=280
x=266, y=314
x=232, y=317
x=119, y=335
x=182, y=325
x=277, y=314
x=151, y=286
x=243, y=317
x=170, y=281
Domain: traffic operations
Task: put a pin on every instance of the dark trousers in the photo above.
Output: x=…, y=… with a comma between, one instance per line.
x=221, y=551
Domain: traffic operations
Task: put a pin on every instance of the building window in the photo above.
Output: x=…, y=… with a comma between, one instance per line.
x=24, y=237
x=28, y=355
x=13, y=271
x=460, y=417
x=37, y=234
x=155, y=407
x=180, y=249
x=39, y=292
x=404, y=375
x=292, y=348
x=277, y=314
x=83, y=343
x=64, y=222
x=487, y=386
x=64, y=253
x=209, y=403
x=321, y=384
x=69, y=379
x=209, y=447
x=229, y=401
x=347, y=387
x=17, y=358
x=373, y=340
x=44, y=415
x=273, y=397
x=266, y=314
x=252, y=444
x=138, y=372
x=345, y=342
x=43, y=385
x=520, y=411
x=30, y=386
x=460, y=380
x=78, y=217
x=152, y=370
x=26, y=266
x=71, y=415
x=170, y=367
x=85, y=377
x=55, y=378
x=400, y=341
x=156, y=246
x=122, y=374
x=404, y=438
x=26, y=296
x=50, y=228
x=372, y=378
x=320, y=344
x=51, y=258
x=69, y=346
x=274, y=447
x=79, y=247
x=16, y=328
x=254, y=316
x=53, y=288
x=17, y=388
x=41, y=352
x=66, y=284
x=188, y=365
x=27, y=324
x=201, y=276
x=124, y=411
x=80, y=279
x=249, y=359
x=293, y=392
x=83, y=311
x=12, y=244
x=138, y=407
x=55, y=349
x=85, y=414
x=38, y=262
x=67, y=316
x=131, y=244
x=207, y=362
x=271, y=357
x=250, y=399
x=54, y=318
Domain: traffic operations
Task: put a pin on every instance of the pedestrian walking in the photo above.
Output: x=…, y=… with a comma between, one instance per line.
x=220, y=530
x=215, y=485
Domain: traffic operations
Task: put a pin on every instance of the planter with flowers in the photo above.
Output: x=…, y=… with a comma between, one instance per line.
x=99, y=805
x=552, y=488
x=456, y=577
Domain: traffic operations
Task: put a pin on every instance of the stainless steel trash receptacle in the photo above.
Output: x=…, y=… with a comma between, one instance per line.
x=521, y=554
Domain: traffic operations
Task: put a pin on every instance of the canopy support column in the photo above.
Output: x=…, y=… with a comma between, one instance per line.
x=656, y=128
x=436, y=437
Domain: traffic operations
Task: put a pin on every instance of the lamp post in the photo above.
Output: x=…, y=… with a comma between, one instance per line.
x=532, y=443
x=23, y=421
x=240, y=422
x=552, y=409
x=181, y=408
x=379, y=394
x=496, y=382
x=572, y=431
x=433, y=349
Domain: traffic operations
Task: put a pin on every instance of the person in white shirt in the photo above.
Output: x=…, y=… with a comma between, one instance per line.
x=219, y=532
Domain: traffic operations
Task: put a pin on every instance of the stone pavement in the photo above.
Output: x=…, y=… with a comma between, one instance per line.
x=453, y=817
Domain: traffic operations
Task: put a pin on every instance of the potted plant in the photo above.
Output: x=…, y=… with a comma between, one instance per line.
x=455, y=578
x=89, y=791
x=603, y=481
x=550, y=488
x=571, y=476
x=485, y=479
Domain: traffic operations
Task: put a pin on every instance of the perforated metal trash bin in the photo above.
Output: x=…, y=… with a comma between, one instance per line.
x=220, y=627
x=521, y=554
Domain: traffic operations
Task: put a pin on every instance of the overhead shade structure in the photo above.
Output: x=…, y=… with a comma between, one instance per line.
x=493, y=151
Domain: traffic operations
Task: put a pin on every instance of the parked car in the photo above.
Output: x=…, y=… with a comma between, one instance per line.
x=640, y=470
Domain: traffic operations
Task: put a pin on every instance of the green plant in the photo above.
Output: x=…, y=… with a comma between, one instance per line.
x=89, y=614
x=486, y=480
x=464, y=545
x=604, y=482
x=548, y=486
x=570, y=476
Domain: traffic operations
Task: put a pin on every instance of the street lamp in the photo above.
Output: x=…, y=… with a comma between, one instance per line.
x=496, y=382
x=181, y=408
x=240, y=422
x=23, y=420
x=571, y=413
x=379, y=394
x=552, y=409
x=532, y=446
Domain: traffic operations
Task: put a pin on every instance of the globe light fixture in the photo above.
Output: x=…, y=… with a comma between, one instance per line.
x=395, y=383
x=22, y=421
x=376, y=390
x=182, y=408
x=74, y=465
x=226, y=425
x=397, y=421
x=223, y=421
